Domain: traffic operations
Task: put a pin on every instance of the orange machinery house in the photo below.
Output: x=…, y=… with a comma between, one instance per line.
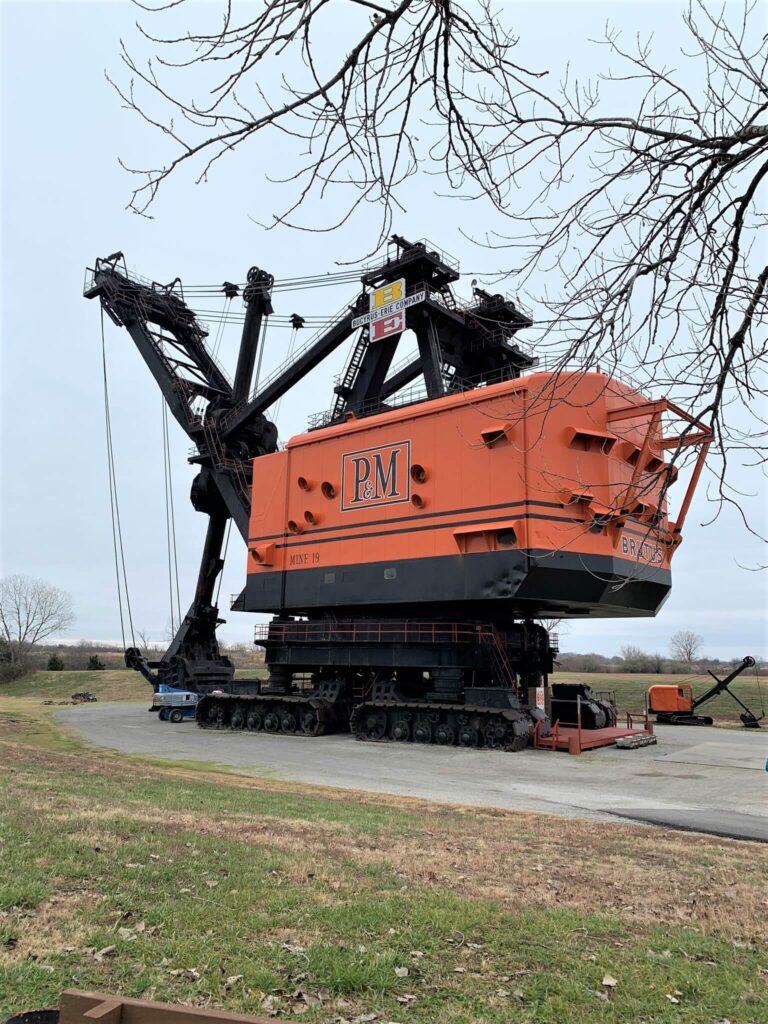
x=670, y=700
x=546, y=493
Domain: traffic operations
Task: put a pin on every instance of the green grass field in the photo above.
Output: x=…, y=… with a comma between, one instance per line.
x=111, y=685
x=175, y=882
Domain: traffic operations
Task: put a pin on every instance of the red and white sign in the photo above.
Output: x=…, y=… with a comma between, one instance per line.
x=387, y=309
x=387, y=326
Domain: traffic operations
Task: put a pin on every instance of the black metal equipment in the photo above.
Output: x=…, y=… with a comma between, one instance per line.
x=172, y=344
x=686, y=715
x=459, y=347
x=575, y=703
x=481, y=680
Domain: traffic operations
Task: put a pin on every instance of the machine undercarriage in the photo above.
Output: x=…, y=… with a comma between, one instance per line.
x=467, y=684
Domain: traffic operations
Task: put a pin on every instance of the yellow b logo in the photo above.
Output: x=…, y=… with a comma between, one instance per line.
x=386, y=294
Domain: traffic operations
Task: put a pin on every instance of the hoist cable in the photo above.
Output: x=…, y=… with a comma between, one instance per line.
x=223, y=558
x=759, y=690
x=291, y=344
x=262, y=345
x=117, y=533
x=167, y=515
x=219, y=333
x=170, y=518
x=280, y=284
x=173, y=524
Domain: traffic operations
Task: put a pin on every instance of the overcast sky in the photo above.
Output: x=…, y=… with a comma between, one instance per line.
x=64, y=198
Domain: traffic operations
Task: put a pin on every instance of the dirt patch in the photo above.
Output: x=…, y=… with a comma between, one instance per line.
x=52, y=927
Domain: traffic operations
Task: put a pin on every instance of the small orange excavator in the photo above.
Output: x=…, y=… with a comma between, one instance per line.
x=675, y=704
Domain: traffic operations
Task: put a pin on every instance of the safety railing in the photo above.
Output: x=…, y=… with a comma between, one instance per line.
x=414, y=251
x=371, y=632
x=633, y=716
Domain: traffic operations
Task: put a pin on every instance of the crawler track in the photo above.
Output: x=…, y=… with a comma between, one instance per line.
x=290, y=714
x=447, y=725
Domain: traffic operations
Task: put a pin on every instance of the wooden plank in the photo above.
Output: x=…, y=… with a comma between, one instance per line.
x=76, y=1007
x=108, y=1012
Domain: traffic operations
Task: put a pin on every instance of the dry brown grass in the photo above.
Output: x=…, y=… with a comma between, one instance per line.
x=520, y=859
x=53, y=926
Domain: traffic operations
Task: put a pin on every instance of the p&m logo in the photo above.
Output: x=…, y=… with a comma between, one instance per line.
x=376, y=476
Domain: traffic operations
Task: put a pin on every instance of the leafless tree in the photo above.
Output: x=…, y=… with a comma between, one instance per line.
x=637, y=660
x=685, y=645
x=632, y=204
x=351, y=88
x=30, y=612
x=656, y=662
x=557, y=626
x=151, y=648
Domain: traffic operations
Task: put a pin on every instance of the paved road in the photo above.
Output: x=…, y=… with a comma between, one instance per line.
x=708, y=780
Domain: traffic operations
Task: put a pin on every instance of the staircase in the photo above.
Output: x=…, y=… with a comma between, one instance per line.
x=493, y=638
x=349, y=376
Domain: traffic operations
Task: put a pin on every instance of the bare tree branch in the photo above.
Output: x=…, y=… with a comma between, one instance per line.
x=631, y=209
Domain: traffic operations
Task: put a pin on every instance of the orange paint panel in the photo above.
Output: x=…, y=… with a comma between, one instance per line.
x=424, y=481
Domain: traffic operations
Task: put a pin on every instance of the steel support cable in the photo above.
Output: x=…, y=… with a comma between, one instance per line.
x=262, y=345
x=237, y=317
x=224, y=319
x=223, y=558
x=173, y=522
x=117, y=532
x=167, y=518
x=282, y=284
x=170, y=519
x=291, y=345
x=759, y=690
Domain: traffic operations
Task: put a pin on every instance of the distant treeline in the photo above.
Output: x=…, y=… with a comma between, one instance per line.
x=88, y=654
x=633, y=659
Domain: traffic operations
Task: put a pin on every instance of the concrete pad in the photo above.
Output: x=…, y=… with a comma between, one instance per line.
x=716, y=823
x=690, y=770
